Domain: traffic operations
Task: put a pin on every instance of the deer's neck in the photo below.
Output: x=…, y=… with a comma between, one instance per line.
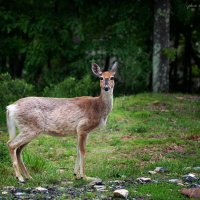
x=106, y=99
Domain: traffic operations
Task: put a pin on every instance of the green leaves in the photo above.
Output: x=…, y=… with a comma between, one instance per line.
x=170, y=53
x=53, y=40
x=71, y=87
x=12, y=90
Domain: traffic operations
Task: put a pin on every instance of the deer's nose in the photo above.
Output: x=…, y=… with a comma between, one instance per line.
x=106, y=88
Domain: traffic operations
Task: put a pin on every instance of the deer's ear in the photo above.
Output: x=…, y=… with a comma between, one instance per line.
x=96, y=69
x=114, y=67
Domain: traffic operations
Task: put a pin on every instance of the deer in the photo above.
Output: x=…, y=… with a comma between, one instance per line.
x=33, y=116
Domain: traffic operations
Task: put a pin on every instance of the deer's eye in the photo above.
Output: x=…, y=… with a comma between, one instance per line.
x=112, y=78
x=101, y=78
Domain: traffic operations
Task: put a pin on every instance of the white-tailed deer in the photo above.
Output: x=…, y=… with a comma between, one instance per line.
x=59, y=116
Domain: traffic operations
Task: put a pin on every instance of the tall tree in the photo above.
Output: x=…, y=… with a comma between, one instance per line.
x=161, y=41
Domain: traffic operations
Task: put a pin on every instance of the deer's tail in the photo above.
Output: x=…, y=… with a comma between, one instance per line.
x=10, y=115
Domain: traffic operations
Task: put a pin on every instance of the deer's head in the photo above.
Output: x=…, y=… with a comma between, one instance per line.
x=107, y=77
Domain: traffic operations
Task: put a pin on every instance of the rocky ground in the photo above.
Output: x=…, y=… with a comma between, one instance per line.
x=99, y=189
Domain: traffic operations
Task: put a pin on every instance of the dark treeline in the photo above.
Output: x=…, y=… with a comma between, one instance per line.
x=51, y=44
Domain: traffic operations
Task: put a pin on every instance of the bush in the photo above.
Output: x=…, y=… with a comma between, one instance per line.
x=71, y=87
x=10, y=91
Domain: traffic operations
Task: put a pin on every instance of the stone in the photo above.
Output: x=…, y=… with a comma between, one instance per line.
x=101, y=188
x=189, y=178
x=195, y=185
x=143, y=180
x=97, y=181
x=9, y=188
x=4, y=192
x=20, y=193
x=121, y=193
x=117, y=183
x=161, y=169
x=152, y=172
x=196, y=168
x=175, y=181
x=61, y=171
x=41, y=189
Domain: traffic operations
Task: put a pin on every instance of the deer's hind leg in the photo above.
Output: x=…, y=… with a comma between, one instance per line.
x=21, y=163
x=14, y=145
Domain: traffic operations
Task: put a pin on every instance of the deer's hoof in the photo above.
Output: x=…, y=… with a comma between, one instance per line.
x=21, y=180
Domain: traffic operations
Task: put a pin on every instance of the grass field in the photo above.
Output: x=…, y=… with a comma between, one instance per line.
x=143, y=132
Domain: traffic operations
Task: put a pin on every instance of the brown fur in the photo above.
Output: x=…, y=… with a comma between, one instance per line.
x=59, y=117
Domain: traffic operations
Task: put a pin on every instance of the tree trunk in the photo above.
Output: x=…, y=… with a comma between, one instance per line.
x=161, y=40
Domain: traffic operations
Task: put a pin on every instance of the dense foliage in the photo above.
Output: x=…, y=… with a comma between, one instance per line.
x=47, y=42
x=52, y=43
x=11, y=90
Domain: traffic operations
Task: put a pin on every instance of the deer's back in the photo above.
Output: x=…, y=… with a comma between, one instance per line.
x=58, y=116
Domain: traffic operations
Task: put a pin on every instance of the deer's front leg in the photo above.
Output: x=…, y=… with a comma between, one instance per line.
x=80, y=160
x=77, y=163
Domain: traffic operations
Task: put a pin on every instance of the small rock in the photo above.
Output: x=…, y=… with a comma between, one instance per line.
x=152, y=172
x=175, y=181
x=20, y=193
x=189, y=178
x=121, y=193
x=97, y=181
x=192, y=192
x=61, y=171
x=9, y=188
x=100, y=187
x=41, y=189
x=195, y=185
x=196, y=168
x=4, y=192
x=118, y=182
x=160, y=169
x=144, y=180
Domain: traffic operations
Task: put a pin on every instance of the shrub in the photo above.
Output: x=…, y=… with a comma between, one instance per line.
x=71, y=87
x=12, y=90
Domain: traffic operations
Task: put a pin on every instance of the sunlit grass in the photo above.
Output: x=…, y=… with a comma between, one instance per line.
x=143, y=132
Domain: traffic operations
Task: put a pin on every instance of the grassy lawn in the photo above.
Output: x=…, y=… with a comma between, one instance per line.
x=143, y=132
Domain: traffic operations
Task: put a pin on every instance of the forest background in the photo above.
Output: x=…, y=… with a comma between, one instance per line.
x=47, y=47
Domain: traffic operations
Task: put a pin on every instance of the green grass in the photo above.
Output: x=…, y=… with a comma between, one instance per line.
x=143, y=131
